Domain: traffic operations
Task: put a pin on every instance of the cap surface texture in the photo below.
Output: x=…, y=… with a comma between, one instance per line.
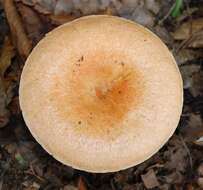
x=101, y=93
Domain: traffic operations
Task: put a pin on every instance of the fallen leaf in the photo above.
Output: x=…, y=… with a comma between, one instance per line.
x=196, y=40
x=193, y=130
x=163, y=34
x=176, y=156
x=187, y=72
x=200, y=170
x=81, y=184
x=41, y=6
x=190, y=187
x=173, y=178
x=191, y=32
x=11, y=148
x=150, y=180
x=61, y=19
x=19, y=37
x=200, y=182
x=63, y=7
x=128, y=7
x=188, y=28
x=44, y=7
x=69, y=187
x=32, y=23
x=6, y=55
x=152, y=5
x=31, y=186
x=199, y=141
x=107, y=11
x=143, y=16
x=14, y=106
x=197, y=81
x=26, y=2
x=185, y=55
x=1, y=184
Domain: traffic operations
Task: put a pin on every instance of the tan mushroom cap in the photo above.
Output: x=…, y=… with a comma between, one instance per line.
x=101, y=93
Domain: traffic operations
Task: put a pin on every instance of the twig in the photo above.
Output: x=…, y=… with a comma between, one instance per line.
x=19, y=37
x=167, y=15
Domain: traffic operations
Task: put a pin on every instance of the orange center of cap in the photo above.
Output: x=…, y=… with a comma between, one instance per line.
x=102, y=89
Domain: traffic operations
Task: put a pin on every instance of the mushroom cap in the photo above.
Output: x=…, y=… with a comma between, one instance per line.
x=101, y=93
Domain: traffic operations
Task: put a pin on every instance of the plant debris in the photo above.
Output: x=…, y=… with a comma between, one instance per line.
x=149, y=179
x=23, y=162
x=19, y=37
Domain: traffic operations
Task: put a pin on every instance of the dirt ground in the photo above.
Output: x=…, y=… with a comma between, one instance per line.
x=24, y=164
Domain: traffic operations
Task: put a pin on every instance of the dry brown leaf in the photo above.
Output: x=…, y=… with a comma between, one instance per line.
x=163, y=33
x=200, y=170
x=176, y=155
x=150, y=180
x=200, y=182
x=194, y=129
x=196, y=40
x=19, y=37
x=187, y=72
x=63, y=7
x=143, y=16
x=107, y=11
x=199, y=141
x=81, y=184
x=4, y=113
x=41, y=6
x=191, y=32
x=33, y=25
x=5, y=60
x=61, y=19
x=6, y=55
x=69, y=187
x=26, y=2
x=197, y=84
x=188, y=28
x=185, y=55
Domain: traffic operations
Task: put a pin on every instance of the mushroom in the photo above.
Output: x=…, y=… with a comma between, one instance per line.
x=101, y=93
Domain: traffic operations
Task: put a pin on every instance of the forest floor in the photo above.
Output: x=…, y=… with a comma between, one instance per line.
x=24, y=164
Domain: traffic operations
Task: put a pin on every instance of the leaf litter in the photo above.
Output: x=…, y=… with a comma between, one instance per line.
x=178, y=165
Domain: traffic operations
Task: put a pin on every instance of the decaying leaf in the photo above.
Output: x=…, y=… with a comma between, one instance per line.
x=6, y=55
x=192, y=32
x=185, y=55
x=81, y=184
x=69, y=187
x=196, y=40
x=4, y=113
x=188, y=28
x=187, y=72
x=200, y=182
x=19, y=37
x=63, y=7
x=32, y=23
x=197, y=84
x=176, y=162
x=199, y=141
x=61, y=19
x=193, y=130
x=150, y=180
x=143, y=16
x=42, y=6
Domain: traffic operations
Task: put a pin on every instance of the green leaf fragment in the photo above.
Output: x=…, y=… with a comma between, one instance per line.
x=176, y=11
